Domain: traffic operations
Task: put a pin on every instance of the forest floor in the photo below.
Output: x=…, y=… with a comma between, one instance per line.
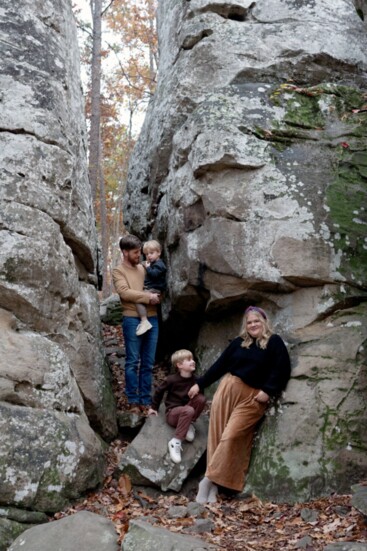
x=247, y=524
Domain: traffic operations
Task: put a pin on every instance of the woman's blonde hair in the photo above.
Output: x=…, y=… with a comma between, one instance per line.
x=261, y=341
x=180, y=356
x=152, y=245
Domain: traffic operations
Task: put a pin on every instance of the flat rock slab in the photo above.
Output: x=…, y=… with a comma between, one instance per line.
x=83, y=531
x=144, y=537
x=346, y=546
x=147, y=461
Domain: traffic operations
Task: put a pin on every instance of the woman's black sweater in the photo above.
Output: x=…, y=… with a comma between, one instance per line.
x=267, y=370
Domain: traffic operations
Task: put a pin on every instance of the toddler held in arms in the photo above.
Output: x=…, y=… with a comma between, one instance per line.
x=155, y=280
x=181, y=411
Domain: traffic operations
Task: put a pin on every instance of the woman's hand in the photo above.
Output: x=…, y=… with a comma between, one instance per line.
x=262, y=397
x=194, y=391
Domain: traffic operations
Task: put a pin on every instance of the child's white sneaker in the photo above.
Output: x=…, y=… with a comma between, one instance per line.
x=190, y=436
x=174, y=448
x=143, y=327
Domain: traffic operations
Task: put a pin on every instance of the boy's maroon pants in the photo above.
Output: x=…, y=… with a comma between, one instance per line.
x=181, y=417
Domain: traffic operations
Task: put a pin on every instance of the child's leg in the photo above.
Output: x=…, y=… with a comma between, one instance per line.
x=144, y=324
x=142, y=311
x=198, y=403
x=180, y=417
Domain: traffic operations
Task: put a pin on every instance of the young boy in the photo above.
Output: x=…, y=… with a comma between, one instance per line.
x=181, y=412
x=155, y=280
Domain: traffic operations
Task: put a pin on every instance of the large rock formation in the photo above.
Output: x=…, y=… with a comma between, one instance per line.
x=52, y=371
x=251, y=169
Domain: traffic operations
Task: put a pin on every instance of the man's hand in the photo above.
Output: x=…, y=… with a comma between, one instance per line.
x=152, y=411
x=194, y=391
x=154, y=298
x=262, y=397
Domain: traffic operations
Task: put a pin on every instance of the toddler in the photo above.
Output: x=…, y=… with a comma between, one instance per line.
x=155, y=280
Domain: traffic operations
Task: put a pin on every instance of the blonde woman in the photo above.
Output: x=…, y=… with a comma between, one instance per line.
x=255, y=367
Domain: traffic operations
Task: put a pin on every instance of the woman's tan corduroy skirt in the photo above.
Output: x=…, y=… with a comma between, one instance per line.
x=233, y=418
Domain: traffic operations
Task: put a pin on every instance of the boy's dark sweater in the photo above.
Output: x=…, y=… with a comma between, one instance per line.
x=176, y=388
x=156, y=276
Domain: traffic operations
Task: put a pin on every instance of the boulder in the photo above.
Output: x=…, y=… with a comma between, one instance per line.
x=83, y=531
x=110, y=310
x=9, y=530
x=48, y=241
x=54, y=382
x=40, y=376
x=145, y=537
x=251, y=171
x=359, y=498
x=147, y=462
x=50, y=453
x=313, y=443
x=49, y=457
x=14, y=521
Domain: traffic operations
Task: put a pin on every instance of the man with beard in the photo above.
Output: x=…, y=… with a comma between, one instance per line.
x=128, y=280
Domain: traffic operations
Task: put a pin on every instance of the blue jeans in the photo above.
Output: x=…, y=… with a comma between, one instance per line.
x=140, y=356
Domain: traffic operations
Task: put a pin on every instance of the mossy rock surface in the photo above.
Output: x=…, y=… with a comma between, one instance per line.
x=9, y=531
x=331, y=122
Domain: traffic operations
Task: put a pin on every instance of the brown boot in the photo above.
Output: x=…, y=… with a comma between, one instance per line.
x=134, y=409
x=144, y=409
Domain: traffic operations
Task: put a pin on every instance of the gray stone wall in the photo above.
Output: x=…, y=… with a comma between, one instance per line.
x=53, y=382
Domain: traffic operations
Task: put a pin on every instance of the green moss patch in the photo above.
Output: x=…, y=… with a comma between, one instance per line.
x=347, y=199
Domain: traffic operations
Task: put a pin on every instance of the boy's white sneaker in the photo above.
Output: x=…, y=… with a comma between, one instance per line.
x=174, y=448
x=190, y=436
x=143, y=327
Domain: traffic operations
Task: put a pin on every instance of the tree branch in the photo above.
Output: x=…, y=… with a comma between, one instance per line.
x=107, y=7
x=125, y=74
x=85, y=29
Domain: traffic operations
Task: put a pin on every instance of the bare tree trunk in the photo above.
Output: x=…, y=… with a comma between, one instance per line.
x=95, y=119
x=104, y=235
x=152, y=57
x=118, y=222
x=115, y=256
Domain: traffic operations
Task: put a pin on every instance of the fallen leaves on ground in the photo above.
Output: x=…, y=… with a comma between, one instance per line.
x=238, y=524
